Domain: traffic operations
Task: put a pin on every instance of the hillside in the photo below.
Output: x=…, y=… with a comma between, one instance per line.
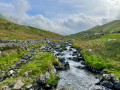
x=109, y=28
x=100, y=47
x=10, y=30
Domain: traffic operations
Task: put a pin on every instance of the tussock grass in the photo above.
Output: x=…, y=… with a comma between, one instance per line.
x=103, y=52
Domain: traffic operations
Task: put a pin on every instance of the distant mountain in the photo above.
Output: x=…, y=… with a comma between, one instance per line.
x=10, y=30
x=109, y=28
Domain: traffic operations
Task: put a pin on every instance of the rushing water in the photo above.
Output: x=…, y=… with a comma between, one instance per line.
x=78, y=79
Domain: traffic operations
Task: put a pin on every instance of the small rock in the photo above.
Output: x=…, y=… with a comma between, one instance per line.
x=29, y=87
x=10, y=73
x=5, y=88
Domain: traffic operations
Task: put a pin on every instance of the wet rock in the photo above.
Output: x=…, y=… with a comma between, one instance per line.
x=117, y=85
x=107, y=84
x=18, y=85
x=80, y=67
x=106, y=76
x=67, y=67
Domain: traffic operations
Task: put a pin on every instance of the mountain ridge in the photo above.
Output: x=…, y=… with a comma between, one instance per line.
x=11, y=31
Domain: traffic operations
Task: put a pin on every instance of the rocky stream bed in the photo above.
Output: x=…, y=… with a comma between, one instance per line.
x=73, y=72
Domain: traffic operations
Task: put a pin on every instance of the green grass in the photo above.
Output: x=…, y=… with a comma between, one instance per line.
x=43, y=63
x=101, y=53
x=12, y=31
x=53, y=79
x=97, y=31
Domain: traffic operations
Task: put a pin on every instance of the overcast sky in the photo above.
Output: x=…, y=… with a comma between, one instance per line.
x=61, y=16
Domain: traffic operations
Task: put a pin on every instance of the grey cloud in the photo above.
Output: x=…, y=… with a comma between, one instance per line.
x=97, y=13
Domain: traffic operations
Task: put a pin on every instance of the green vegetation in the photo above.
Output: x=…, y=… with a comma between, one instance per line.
x=96, y=32
x=100, y=47
x=12, y=31
x=43, y=63
x=53, y=79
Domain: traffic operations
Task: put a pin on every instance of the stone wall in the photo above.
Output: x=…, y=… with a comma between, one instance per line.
x=18, y=43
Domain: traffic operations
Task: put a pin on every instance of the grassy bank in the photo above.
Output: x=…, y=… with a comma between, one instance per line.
x=102, y=52
x=43, y=63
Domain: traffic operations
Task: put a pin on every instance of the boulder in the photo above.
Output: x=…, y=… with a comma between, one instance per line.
x=53, y=70
x=41, y=81
x=18, y=85
x=107, y=84
x=117, y=85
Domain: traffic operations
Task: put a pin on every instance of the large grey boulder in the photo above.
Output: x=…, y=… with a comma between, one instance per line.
x=18, y=85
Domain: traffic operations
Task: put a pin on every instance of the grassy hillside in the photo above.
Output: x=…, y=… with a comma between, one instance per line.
x=100, y=47
x=9, y=30
x=109, y=28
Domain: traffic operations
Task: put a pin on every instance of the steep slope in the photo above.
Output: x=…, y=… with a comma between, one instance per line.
x=9, y=30
x=100, y=47
x=109, y=28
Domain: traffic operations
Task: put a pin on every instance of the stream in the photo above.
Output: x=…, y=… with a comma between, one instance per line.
x=76, y=78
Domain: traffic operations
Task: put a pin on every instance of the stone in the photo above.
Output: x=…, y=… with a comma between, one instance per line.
x=41, y=81
x=25, y=74
x=53, y=70
x=10, y=73
x=106, y=76
x=67, y=67
x=107, y=84
x=18, y=85
x=47, y=76
x=5, y=88
x=117, y=85
x=29, y=87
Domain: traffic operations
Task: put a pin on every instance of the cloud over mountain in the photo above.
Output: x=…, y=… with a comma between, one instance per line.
x=61, y=16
